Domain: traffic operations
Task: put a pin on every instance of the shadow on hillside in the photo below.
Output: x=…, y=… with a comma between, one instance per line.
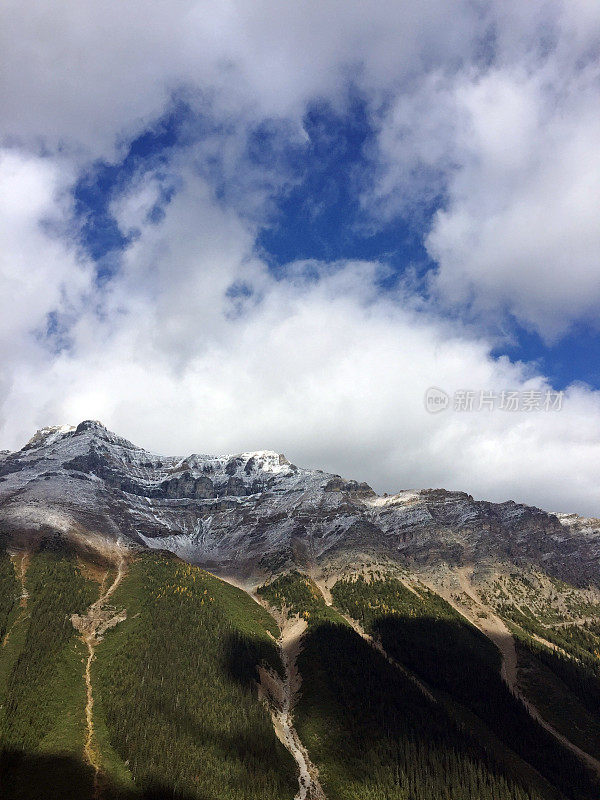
x=369, y=710
x=374, y=719
x=244, y=653
x=453, y=656
x=27, y=776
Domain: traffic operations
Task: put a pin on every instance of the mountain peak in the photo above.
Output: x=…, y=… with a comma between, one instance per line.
x=51, y=433
x=90, y=425
x=253, y=509
x=47, y=435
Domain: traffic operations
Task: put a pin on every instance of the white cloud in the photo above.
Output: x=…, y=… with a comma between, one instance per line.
x=84, y=75
x=40, y=273
x=328, y=370
x=512, y=148
x=520, y=229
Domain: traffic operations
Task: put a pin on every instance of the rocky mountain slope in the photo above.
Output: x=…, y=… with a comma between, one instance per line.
x=422, y=645
x=254, y=514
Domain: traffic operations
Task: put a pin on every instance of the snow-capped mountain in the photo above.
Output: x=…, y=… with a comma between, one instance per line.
x=252, y=514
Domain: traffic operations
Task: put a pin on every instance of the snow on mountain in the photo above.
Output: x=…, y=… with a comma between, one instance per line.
x=254, y=513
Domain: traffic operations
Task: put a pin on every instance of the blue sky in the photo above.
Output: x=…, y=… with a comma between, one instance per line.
x=316, y=215
x=239, y=226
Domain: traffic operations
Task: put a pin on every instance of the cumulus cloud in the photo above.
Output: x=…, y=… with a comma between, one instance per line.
x=193, y=343
x=321, y=366
x=42, y=276
x=520, y=227
x=89, y=76
x=511, y=148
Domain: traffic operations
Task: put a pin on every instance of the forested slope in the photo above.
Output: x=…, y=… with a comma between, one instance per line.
x=401, y=697
x=175, y=711
x=373, y=733
x=42, y=693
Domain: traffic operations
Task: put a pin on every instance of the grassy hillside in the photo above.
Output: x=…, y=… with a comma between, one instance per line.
x=9, y=594
x=296, y=594
x=175, y=708
x=559, y=669
x=565, y=706
x=374, y=735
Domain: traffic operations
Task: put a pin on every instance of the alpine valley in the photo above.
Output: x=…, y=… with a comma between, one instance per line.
x=241, y=628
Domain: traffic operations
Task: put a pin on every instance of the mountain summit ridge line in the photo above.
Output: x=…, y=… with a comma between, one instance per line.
x=254, y=514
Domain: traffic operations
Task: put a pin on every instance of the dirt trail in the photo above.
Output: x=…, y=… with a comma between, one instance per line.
x=496, y=630
x=282, y=696
x=20, y=562
x=493, y=627
x=99, y=618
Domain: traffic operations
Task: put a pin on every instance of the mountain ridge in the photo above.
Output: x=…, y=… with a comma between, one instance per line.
x=255, y=513
x=423, y=644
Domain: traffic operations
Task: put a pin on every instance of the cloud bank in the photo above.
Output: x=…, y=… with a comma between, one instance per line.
x=486, y=117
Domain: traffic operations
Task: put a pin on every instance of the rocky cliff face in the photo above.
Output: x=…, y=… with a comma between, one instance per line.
x=252, y=514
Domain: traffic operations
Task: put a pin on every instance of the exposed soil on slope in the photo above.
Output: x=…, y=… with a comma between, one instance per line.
x=99, y=618
x=20, y=562
x=484, y=618
x=282, y=695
